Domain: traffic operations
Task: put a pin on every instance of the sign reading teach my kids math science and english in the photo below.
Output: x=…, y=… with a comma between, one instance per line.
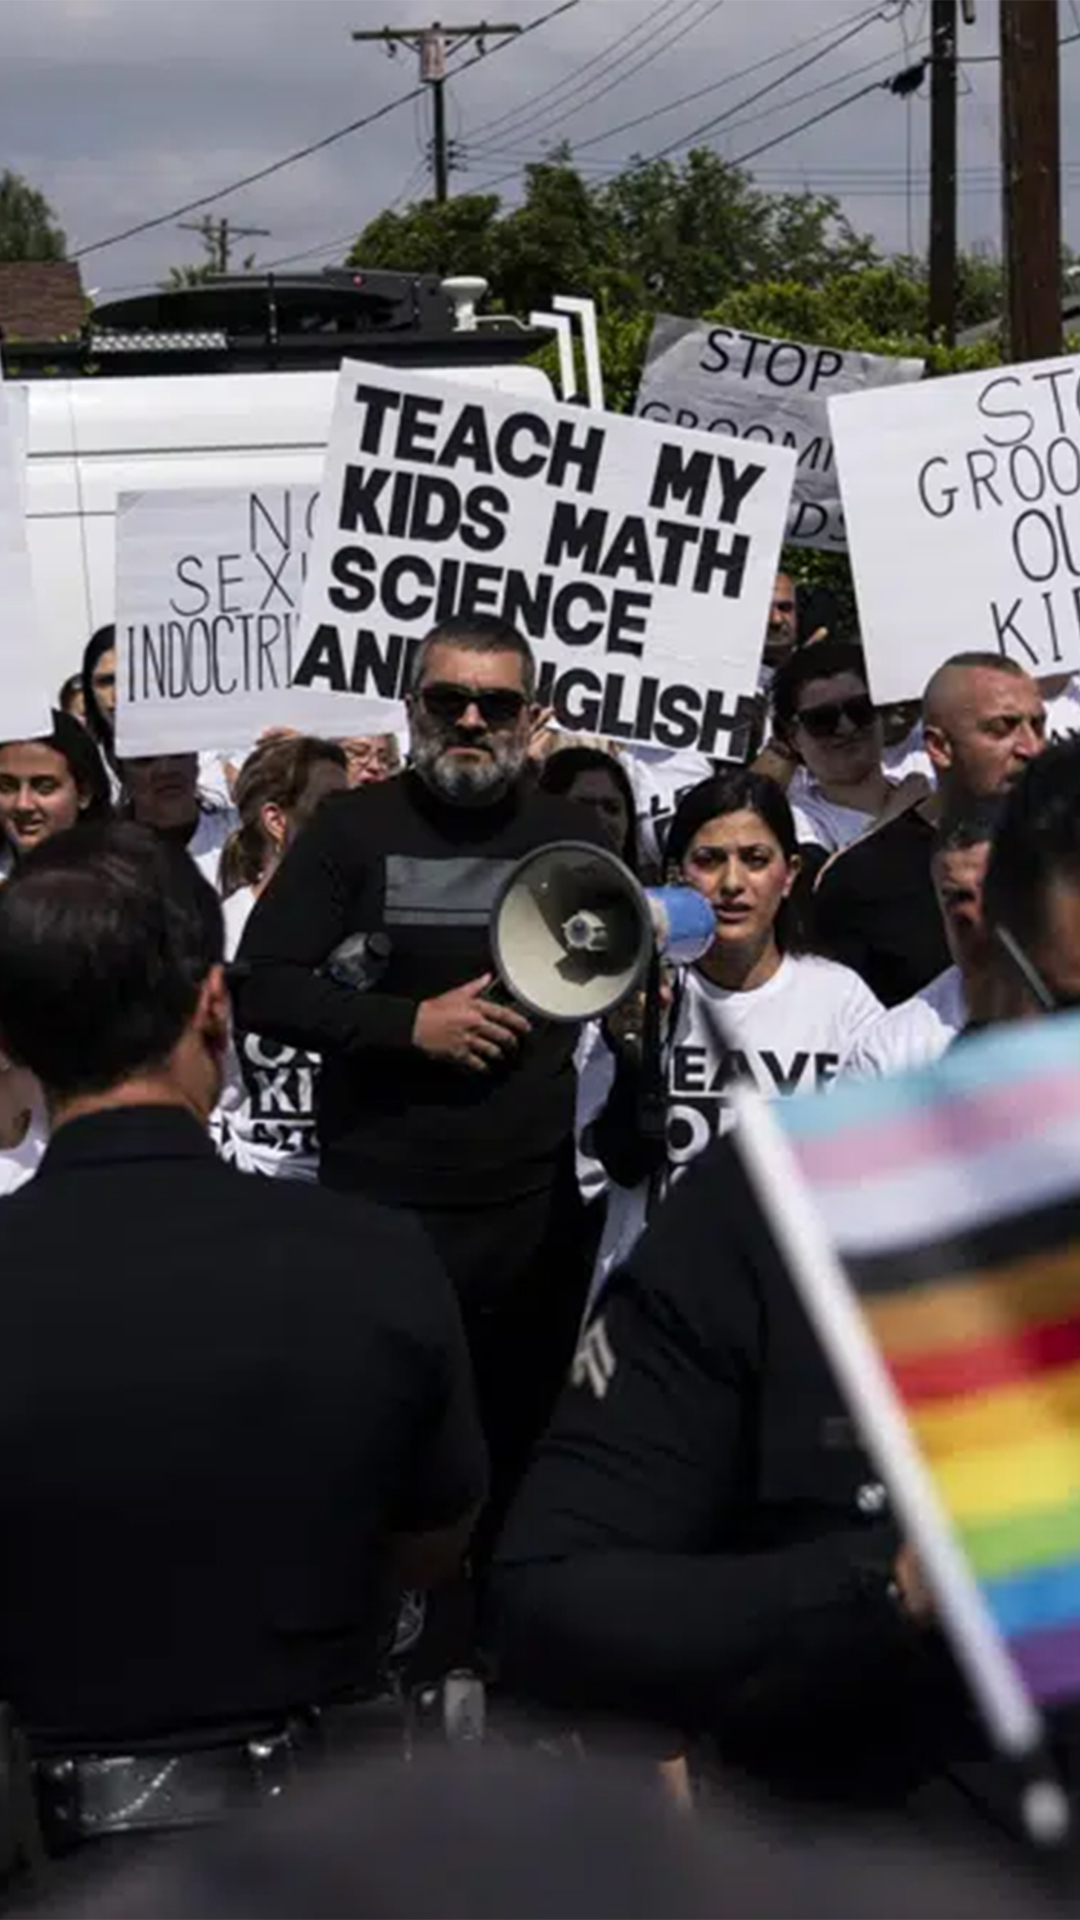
x=208, y=587
x=962, y=499
x=721, y=380
x=638, y=560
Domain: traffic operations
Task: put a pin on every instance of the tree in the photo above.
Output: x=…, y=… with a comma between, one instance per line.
x=660, y=236
x=28, y=226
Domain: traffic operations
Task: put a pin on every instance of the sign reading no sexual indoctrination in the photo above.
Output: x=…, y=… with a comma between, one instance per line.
x=962, y=499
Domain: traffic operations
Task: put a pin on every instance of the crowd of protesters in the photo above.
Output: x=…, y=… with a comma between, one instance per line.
x=500, y=1334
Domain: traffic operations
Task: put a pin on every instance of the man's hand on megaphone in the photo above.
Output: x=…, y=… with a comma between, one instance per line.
x=464, y=1027
x=625, y=1024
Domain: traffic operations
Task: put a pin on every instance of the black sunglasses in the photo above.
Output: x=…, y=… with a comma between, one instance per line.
x=822, y=722
x=446, y=701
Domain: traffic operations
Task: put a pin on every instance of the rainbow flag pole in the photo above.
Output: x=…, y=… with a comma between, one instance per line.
x=832, y=1303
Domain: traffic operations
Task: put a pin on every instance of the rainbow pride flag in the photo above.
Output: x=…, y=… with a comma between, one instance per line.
x=952, y=1196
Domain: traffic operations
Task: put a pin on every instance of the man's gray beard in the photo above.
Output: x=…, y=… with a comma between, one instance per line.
x=478, y=785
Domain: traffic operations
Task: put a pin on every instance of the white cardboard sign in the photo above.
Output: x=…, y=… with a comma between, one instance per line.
x=638, y=560
x=208, y=586
x=962, y=499
x=25, y=704
x=718, y=380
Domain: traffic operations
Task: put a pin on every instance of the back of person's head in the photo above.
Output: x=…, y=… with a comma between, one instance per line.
x=825, y=660
x=579, y=767
x=1036, y=846
x=277, y=775
x=70, y=698
x=108, y=936
x=973, y=824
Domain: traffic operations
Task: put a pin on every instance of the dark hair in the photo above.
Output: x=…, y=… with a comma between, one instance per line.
x=276, y=774
x=477, y=633
x=561, y=769
x=69, y=692
x=71, y=741
x=106, y=935
x=1037, y=842
x=823, y=661
x=741, y=792
x=100, y=642
x=973, y=826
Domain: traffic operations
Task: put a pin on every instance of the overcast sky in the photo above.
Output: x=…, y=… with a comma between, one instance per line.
x=120, y=110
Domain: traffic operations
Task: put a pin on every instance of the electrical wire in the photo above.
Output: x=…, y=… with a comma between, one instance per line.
x=686, y=99
x=546, y=120
x=559, y=86
x=314, y=146
x=709, y=126
x=751, y=119
x=815, y=120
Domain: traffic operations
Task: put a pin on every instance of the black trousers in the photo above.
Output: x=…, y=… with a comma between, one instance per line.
x=521, y=1270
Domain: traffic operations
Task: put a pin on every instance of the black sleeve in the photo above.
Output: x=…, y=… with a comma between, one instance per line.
x=295, y=926
x=620, y=1585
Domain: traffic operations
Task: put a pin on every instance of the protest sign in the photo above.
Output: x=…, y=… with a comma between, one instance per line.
x=208, y=587
x=25, y=705
x=638, y=560
x=962, y=499
x=718, y=380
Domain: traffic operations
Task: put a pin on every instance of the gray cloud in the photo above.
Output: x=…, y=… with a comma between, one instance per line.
x=121, y=109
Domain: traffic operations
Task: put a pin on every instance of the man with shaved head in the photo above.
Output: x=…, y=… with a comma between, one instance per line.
x=874, y=907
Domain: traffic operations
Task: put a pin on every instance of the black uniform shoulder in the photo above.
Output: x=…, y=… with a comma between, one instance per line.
x=551, y=817
x=707, y=1262
x=869, y=859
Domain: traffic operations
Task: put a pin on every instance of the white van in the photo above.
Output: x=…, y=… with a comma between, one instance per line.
x=90, y=440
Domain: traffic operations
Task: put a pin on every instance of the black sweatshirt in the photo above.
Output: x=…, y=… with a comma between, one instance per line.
x=701, y=1539
x=393, y=1123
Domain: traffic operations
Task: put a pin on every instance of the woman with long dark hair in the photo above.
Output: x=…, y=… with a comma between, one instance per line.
x=752, y=1009
x=48, y=785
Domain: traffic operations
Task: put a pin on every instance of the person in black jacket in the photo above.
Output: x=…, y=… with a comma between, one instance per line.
x=436, y=1096
x=701, y=1541
x=238, y=1425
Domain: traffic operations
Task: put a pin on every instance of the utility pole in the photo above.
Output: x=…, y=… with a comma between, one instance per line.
x=1031, y=176
x=218, y=237
x=433, y=44
x=943, y=169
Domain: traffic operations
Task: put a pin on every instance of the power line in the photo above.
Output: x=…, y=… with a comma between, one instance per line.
x=709, y=126
x=751, y=119
x=685, y=100
x=560, y=85
x=815, y=119
x=314, y=146
x=567, y=112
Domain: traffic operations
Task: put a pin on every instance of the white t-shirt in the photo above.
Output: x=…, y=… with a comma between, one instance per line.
x=914, y=1034
x=909, y=756
x=208, y=839
x=19, y=1164
x=788, y=1036
x=820, y=822
x=659, y=780
x=265, y=1119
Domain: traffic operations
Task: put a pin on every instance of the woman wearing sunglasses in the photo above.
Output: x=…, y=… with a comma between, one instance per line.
x=822, y=711
x=753, y=1009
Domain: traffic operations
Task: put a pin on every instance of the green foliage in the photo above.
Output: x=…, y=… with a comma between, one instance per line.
x=28, y=226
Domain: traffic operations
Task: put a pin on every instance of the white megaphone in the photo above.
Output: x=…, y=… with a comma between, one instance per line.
x=573, y=932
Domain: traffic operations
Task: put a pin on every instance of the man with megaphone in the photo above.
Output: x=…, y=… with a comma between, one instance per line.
x=438, y=1094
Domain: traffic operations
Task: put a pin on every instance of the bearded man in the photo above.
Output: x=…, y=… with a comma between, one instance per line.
x=436, y=1095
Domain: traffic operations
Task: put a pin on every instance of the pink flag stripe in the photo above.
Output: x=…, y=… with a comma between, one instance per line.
x=956, y=1130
